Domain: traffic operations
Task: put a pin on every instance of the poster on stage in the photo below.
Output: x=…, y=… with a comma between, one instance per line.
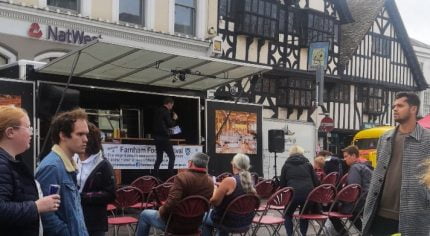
x=130, y=156
x=237, y=132
x=231, y=128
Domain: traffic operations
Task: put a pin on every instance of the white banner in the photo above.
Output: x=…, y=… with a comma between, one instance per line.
x=129, y=156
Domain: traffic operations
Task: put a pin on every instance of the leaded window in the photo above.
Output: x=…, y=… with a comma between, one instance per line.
x=338, y=93
x=66, y=4
x=374, y=100
x=320, y=28
x=226, y=8
x=258, y=18
x=295, y=93
x=132, y=11
x=185, y=16
x=381, y=46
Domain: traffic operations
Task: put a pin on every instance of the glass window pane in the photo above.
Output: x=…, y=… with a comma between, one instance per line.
x=261, y=8
x=131, y=11
x=255, y=6
x=188, y=3
x=274, y=11
x=184, y=20
x=248, y=5
x=67, y=4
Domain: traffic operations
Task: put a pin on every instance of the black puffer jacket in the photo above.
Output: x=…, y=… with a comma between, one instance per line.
x=18, y=193
x=299, y=174
x=98, y=191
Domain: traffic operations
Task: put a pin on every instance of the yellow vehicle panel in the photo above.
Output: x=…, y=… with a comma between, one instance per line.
x=367, y=140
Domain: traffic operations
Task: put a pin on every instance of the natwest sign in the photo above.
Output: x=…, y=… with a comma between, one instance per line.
x=60, y=35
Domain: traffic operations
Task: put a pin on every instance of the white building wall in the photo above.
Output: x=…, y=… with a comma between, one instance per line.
x=423, y=54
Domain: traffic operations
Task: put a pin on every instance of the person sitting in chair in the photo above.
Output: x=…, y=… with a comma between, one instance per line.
x=195, y=181
x=230, y=188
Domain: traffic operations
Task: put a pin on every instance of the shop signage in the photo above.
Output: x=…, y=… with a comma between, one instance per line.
x=60, y=35
x=128, y=156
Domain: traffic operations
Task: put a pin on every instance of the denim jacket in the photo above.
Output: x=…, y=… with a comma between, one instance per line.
x=56, y=168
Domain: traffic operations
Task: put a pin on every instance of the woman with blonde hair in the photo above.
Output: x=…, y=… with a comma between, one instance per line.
x=20, y=205
x=230, y=188
x=298, y=173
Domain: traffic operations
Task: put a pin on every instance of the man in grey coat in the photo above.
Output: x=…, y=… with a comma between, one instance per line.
x=397, y=201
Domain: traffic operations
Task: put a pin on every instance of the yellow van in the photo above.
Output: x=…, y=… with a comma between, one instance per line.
x=366, y=140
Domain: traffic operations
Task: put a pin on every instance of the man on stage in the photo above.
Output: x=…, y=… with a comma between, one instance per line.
x=164, y=119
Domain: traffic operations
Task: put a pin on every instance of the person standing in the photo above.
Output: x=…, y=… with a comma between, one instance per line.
x=69, y=135
x=299, y=174
x=359, y=173
x=397, y=200
x=96, y=183
x=20, y=205
x=164, y=119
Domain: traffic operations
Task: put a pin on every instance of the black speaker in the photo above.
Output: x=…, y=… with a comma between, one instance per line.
x=276, y=140
x=49, y=97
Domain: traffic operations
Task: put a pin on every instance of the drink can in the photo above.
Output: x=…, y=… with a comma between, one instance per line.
x=54, y=189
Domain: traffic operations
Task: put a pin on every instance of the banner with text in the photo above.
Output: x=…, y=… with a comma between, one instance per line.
x=129, y=156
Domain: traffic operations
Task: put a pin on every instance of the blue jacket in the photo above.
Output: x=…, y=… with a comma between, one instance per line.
x=69, y=219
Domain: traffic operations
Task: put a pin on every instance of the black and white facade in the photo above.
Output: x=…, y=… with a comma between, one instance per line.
x=370, y=59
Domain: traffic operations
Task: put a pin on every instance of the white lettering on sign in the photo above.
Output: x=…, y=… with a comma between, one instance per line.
x=128, y=156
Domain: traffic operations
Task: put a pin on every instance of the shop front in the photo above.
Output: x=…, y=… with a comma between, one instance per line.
x=120, y=86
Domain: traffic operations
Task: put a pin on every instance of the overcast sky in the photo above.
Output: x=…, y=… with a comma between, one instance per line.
x=416, y=17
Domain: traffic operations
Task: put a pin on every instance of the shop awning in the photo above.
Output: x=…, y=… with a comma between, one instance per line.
x=122, y=63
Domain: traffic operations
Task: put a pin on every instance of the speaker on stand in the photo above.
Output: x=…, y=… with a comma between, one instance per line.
x=276, y=145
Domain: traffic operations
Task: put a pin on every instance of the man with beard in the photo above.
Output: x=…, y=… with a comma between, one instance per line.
x=397, y=201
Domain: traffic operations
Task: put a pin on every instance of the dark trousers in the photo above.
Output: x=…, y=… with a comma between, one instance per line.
x=339, y=226
x=383, y=227
x=297, y=201
x=355, y=214
x=96, y=233
x=164, y=145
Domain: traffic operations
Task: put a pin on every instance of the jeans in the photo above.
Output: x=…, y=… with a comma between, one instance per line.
x=147, y=219
x=299, y=201
x=208, y=226
x=161, y=146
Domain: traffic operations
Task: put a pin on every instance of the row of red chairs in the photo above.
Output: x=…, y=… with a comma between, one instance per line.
x=325, y=194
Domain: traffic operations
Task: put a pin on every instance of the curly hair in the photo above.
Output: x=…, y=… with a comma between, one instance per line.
x=65, y=123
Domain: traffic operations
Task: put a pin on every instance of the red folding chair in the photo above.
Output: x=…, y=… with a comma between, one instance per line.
x=279, y=200
x=222, y=176
x=145, y=184
x=243, y=206
x=126, y=197
x=159, y=194
x=342, y=182
x=350, y=195
x=189, y=214
x=323, y=194
x=265, y=188
x=331, y=179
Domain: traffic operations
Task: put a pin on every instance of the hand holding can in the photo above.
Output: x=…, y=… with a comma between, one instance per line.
x=54, y=189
